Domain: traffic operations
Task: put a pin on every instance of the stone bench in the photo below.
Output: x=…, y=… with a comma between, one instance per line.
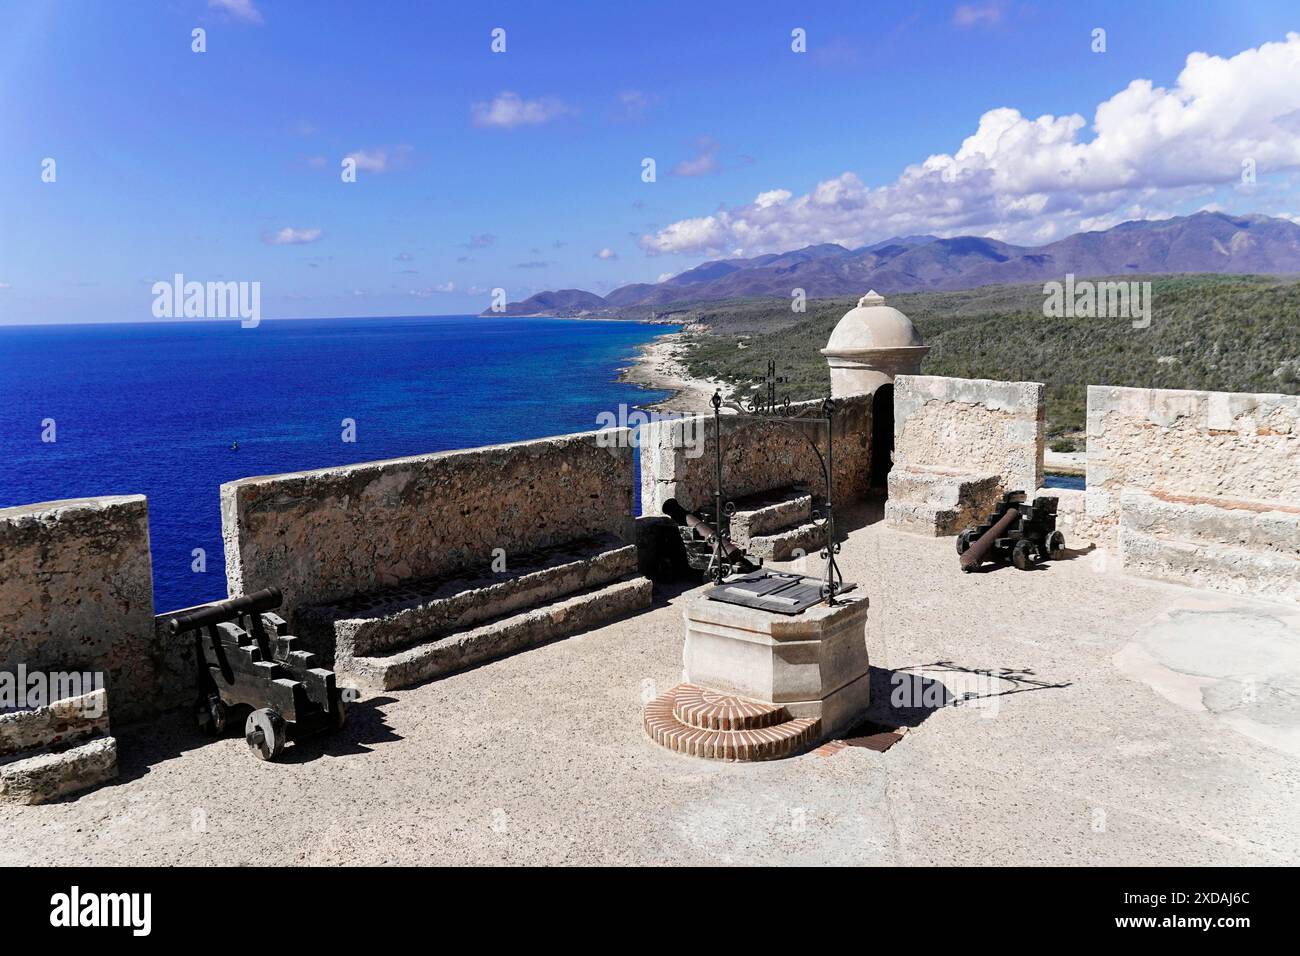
x=1228, y=544
x=774, y=525
x=61, y=748
x=938, y=501
x=401, y=635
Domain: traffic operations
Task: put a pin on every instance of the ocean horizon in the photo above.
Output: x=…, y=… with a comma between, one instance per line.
x=172, y=409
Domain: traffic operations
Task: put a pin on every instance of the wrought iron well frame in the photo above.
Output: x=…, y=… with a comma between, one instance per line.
x=770, y=410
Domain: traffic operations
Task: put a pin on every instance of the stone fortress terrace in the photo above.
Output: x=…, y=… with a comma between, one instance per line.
x=1132, y=702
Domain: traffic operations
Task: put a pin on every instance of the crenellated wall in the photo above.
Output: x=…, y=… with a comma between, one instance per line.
x=1230, y=444
x=337, y=532
x=677, y=455
x=976, y=426
x=76, y=594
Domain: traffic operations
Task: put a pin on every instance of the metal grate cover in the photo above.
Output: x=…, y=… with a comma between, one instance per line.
x=775, y=591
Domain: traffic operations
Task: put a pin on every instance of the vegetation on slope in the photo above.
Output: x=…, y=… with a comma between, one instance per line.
x=1227, y=333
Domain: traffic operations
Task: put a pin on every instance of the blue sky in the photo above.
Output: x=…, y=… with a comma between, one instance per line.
x=523, y=170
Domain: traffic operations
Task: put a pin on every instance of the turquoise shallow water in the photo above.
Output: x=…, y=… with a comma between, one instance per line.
x=154, y=408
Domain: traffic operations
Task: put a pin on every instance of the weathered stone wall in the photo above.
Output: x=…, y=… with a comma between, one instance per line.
x=329, y=534
x=677, y=456
x=1210, y=541
x=1229, y=444
x=76, y=594
x=976, y=426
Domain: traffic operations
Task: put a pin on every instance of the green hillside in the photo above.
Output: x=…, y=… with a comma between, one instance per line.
x=1228, y=333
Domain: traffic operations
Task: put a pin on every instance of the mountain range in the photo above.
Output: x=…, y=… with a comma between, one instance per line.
x=1204, y=242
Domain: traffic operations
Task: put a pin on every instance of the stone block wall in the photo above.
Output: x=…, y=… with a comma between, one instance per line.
x=336, y=532
x=1193, y=443
x=677, y=456
x=975, y=426
x=76, y=594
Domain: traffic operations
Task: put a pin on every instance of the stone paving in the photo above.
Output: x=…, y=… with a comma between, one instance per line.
x=1064, y=715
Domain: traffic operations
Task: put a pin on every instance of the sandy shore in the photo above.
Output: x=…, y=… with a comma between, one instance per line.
x=658, y=365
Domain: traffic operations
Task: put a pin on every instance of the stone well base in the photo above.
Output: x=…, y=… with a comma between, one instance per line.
x=762, y=685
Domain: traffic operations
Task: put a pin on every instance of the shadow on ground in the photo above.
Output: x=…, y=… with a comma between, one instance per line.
x=906, y=696
x=141, y=746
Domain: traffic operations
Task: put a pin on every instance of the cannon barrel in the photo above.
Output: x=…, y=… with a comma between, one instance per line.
x=979, y=548
x=673, y=509
x=221, y=611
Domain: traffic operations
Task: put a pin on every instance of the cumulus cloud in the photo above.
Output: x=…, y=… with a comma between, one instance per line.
x=481, y=241
x=380, y=159
x=606, y=253
x=509, y=110
x=239, y=9
x=1032, y=180
x=289, y=236
x=704, y=162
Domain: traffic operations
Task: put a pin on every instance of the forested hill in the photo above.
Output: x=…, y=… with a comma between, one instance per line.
x=1228, y=333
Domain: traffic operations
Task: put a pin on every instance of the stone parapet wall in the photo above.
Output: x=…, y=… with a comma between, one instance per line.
x=76, y=595
x=333, y=533
x=1212, y=542
x=976, y=426
x=1229, y=444
x=677, y=456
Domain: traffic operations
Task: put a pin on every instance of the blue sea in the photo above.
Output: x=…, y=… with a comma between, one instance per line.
x=155, y=408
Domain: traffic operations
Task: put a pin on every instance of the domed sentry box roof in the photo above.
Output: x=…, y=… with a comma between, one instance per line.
x=870, y=345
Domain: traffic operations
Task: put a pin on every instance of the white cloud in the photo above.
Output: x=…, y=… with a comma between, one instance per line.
x=1030, y=180
x=632, y=103
x=380, y=159
x=289, y=236
x=5, y=285
x=703, y=163
x=509, y=110
x=606, y=253
x=772, y=197
x=239, y=9
x=443, y=289
x=972, y=14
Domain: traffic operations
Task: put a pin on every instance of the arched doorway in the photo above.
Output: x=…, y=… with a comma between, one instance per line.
x=882, y=437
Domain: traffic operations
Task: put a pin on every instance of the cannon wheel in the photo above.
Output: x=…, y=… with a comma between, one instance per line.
x=1022, y=556
x=266, y=734
x=211, y=715
x=1054, y=545
x=963, y=541
x=340, y=713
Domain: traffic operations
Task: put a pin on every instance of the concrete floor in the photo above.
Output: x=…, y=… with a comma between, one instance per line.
x=1066, y=715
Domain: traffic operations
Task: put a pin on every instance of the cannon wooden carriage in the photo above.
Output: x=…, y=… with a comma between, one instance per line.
x=1016, y=532
x=246, y=662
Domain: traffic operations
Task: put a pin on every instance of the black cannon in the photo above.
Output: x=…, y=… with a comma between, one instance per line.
x=700, y=540
x=246, y=661
x=1021, y=533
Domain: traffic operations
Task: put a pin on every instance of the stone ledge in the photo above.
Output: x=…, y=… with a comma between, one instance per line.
x=56, y=724
x=47, y=775
x=387, y=620
x=445, y=654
